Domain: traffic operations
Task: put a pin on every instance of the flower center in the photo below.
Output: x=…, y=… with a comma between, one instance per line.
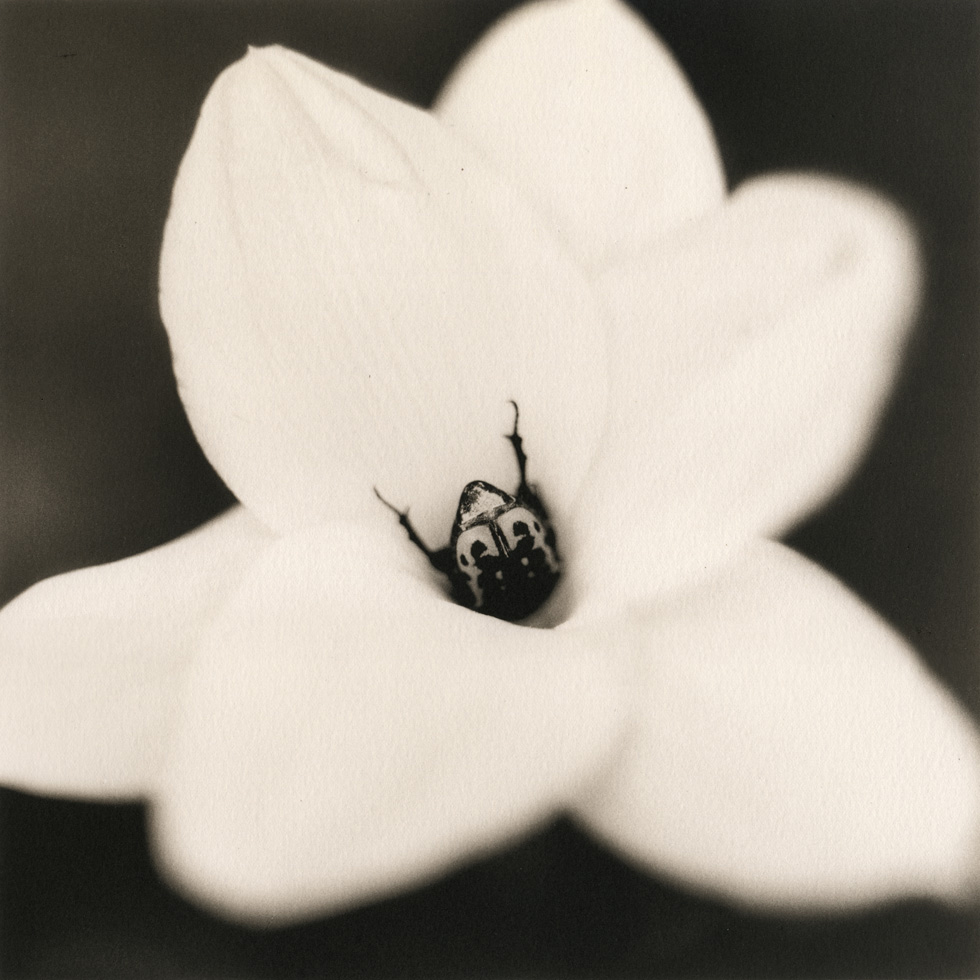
x=502, y=559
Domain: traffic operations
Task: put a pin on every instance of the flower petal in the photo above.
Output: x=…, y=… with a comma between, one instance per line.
x=792, y=750
x=348, y=731
x=750, y=360
x=352, y=296
x=582, y=106
x=90, y=661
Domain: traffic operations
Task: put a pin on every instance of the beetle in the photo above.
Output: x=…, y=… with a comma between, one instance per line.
x=502, y=557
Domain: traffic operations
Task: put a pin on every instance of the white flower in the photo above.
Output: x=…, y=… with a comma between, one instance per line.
x=353, y=290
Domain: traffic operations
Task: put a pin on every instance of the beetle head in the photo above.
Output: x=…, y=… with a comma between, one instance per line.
x=481, y=501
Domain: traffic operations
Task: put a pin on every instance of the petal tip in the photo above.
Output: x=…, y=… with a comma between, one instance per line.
x=273, y=94
x=586, y=110
x=193, y=864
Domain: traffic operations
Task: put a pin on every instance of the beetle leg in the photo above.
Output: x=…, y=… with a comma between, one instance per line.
x=443, y=560
x=518, y=443
x=525, y=491
x=440, y=560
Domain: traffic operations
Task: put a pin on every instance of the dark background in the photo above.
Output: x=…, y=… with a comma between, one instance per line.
x=97, y=102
